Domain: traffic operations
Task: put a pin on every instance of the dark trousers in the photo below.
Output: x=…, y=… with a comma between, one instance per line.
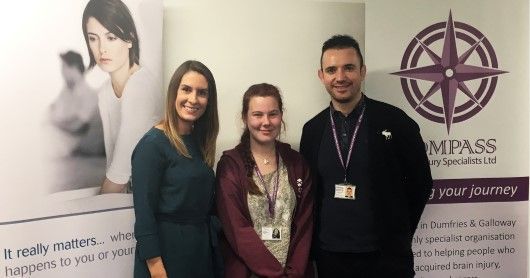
x=362, y=265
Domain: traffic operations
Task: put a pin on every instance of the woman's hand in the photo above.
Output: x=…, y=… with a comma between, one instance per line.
x=156, y=268
x=111, y=187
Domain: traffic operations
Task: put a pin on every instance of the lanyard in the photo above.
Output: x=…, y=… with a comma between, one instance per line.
x=334, y=131
x=274, y=193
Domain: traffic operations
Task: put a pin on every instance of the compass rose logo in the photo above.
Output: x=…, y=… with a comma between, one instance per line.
x=465, y=74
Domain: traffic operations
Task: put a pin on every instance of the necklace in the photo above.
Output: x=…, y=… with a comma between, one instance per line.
x=263, y=160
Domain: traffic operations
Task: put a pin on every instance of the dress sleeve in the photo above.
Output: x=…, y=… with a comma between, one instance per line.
x=300, y=246
x=237, y=225
x=147, y=175
x=140, y=110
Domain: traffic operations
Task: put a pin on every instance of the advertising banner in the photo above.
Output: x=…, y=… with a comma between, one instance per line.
x=59, y=58
x=464, y=79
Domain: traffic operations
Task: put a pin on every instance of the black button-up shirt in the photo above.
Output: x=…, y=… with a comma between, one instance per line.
x=346, y=225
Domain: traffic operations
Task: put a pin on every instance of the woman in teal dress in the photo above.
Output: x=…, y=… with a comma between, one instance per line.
x=173, y=182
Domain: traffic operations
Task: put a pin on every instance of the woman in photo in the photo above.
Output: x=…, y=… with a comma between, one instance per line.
x=173, y=181
x=263, y=185
x=131, y=101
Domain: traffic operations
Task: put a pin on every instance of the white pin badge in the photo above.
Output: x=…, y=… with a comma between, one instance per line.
x=299, y=184
x=387, y=134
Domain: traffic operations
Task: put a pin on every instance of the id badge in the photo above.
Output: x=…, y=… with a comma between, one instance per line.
x=345, y=191
x=271, y=233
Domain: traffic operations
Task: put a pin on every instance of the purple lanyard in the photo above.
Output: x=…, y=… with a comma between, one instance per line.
x=271, y=199
x=334, y=129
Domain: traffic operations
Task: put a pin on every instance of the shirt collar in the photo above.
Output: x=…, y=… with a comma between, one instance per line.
x=355, y=113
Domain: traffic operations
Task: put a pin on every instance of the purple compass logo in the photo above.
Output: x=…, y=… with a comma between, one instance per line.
x=466, y=81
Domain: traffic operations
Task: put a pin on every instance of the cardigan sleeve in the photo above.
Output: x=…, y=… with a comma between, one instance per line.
x=300, y=245
x=147, y=173
x=237, y=225
x=418, y=179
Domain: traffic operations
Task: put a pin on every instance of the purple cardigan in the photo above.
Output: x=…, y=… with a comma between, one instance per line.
x=243, y=250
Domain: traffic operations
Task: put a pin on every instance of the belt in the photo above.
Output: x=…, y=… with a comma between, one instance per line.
x=182, y=218
x=214, y=225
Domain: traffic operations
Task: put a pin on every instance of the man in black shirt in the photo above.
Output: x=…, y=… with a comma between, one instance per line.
x=375, y=151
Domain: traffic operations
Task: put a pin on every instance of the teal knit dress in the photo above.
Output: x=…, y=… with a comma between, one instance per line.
x=173, y=196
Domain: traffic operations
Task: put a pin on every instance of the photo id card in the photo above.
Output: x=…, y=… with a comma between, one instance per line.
x=271, y=233
x=345, y=191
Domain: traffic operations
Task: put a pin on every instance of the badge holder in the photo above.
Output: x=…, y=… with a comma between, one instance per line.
x=271, y=233
x=345, y=191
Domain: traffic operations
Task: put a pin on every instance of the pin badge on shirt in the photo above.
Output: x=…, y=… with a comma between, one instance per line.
x=387, y=134
x=299, y=184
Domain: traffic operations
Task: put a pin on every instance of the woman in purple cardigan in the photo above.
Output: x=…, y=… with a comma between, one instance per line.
x=264, y=196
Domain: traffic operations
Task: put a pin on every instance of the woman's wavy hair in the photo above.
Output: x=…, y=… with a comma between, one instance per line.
x=206, y=128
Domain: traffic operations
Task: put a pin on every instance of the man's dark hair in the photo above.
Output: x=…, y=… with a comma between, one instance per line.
x=341, y=42
x=73, y=59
